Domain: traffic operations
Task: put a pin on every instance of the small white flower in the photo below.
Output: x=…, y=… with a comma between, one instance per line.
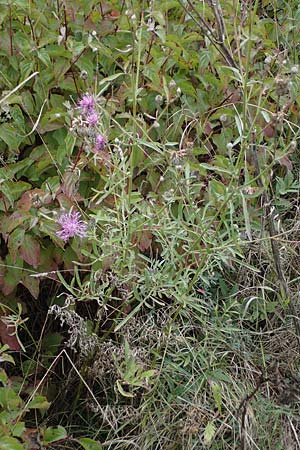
x=294, y=70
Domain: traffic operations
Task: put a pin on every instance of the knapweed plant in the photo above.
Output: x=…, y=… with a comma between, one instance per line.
x=149, y=202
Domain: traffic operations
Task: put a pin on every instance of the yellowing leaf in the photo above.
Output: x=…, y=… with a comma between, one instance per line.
x=209, y=433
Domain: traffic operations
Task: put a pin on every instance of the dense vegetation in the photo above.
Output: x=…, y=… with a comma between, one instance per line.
x=150, y=229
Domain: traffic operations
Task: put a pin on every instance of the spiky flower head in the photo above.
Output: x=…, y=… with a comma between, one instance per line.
x=92, y=118
x=86, y=103
x=71, y=225
x=100, y=143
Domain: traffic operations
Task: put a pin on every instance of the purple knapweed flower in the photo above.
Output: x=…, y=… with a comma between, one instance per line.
x=87, y=103
x=92, y=118
x=71, y=225
x=100, y=143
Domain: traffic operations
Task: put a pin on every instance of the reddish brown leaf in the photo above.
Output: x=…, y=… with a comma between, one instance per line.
x=34, y=197
x=71, y=14
x=14, y=241
x=269, y=130
x=295, y=109
x=70, y=184
x=6, y=335
x=64, y=201
x=208, y=128
x=143, y=240
x=9, y=223
x=286, y=162
x=25, y=201
x=235, y=97
x=32, y=284
x=114, y=14
x=30, y=251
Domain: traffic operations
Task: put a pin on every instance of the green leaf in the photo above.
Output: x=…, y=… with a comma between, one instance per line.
x=12, y=169
x=110, y=78
x=217, y=394
x=18, y=429
x=89, y=444
x=39, y=402
x=9, y=135
x=10, y=280
x=3, y=376
x=44, y=57
x=53, y=434
x=9, y=399
x=13, y=190
x=10, y=443
x=6, y=358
